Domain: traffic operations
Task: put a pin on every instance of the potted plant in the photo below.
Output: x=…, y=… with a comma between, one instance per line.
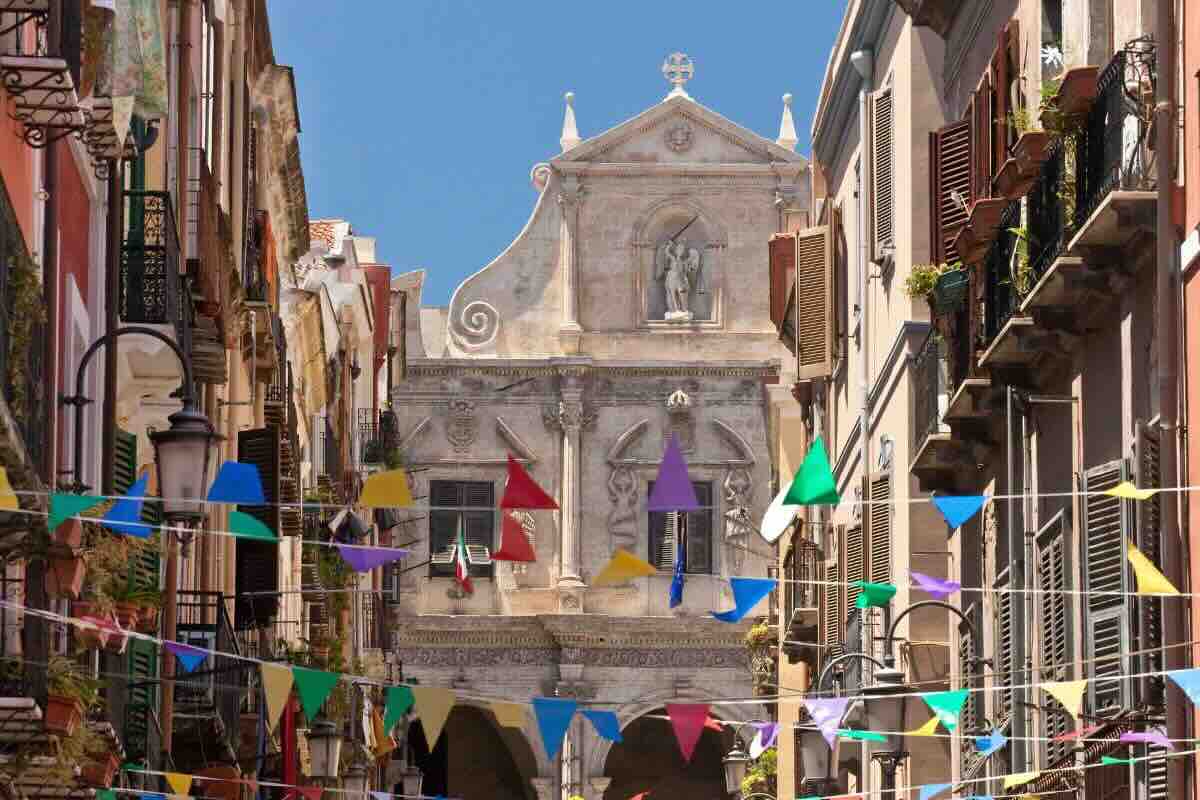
x=70, y=693
x=69, y=534
x=91, y=637
x=149, y=603
x=100, y=768
x=64, y=573
x=943, y=285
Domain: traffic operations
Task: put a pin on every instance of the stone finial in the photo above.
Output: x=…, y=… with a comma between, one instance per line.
x=678, y=69
x=570, y=133
x=787, y=128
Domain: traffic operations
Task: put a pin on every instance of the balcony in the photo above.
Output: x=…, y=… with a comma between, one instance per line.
x=377, y=434
x=150, y=282
x=946, y=459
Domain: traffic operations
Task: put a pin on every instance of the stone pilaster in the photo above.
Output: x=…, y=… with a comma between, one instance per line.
x=569, y=330
x=570, y=418
x=597, y=787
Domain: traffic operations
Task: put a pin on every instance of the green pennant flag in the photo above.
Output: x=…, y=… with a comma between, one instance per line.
x=106, y=794
x=946, y=705
x=874, y=594
x=1109, y=760
x=813, y=485
x=64, y=506
x=399, y=700
x=314, y=686
x=862, y=736
x=246, y=526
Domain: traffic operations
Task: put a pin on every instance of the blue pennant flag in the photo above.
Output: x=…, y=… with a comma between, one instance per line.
x=931, y=790
x=957, y=509
x=677, y=578
x=986, y=745
x=605, y=723
x=553, y=717
x=747, y=592
x=1189, y=681
x=126, y=514
x=237, y=483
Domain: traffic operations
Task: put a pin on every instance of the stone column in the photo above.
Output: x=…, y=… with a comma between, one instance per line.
x=543, y=788
x=597, y=787
x=569, y=330
x=569, y=417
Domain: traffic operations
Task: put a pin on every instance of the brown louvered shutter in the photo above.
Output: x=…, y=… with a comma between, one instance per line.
x=1006, y=662
x=1000, y=87
x=814, y=303
x=833, y=598
x=258, y=561
x=883, y=170
x=856, y=562
x=782, y=255
x=839, y=281
x=1106, y=617
x=1053, y=618
x=950, y=173
x=1148, y=475
x=879, y=523
x=981, y=133
x=968, y=668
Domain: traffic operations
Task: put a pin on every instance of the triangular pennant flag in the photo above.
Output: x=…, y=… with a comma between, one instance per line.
x=946, y=705
x=521, y=491
x=310, y=792
x=514, y=544
x=1110, y=761
x=957, y=509
x=313, y=686
x=605, y=723
x=747, y=593
x=713, y=725
x=106, y=794
x=826, y=714
x=676, y=590
x=986, y=745
x=154, y=796
x=932, y=790
x=1069, y=693
x=237, y=483
x=125, y=516
x=365, y=559
x=64, y=506
x=553, y=718
x=622, y=567
x=861, y=736
x=386, y=490
x=397, y=701
x=768, y=732
x=874, y=595
x=814, y=484
x=1155, y=736
x=981, y=797
x=243, y=525
x=384, y=743
x=1127, y=491
x=277, y=686
x=8, y=498
x=509, y=715
x=433, y=705
x=673, y=490
x=941, y=589
x=179, y=782
x=189, y=658
x=1020, y=779
x=1149, y=579
x=1188, y=680
x=777, y=517
x=928, y=729
x=1077, y=734
x=687, y=720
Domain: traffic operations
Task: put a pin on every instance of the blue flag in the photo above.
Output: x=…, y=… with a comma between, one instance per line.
x=553, y=717
x=677, y=578
x=237, y=483
x=747, y=592
x=605, y=723
x=986, y=745
x=931, y=790
x=1189, y=681
x=957, y=509
x=126, y=514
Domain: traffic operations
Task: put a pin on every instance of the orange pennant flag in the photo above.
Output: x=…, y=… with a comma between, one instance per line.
x=622, y=567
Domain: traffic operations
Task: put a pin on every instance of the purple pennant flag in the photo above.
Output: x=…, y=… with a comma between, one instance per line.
x=827, y=713
x=189, y=657
x=365, y=559
x=673, y=491
x=1152, y=736
x=768, y=732
x=937, y=587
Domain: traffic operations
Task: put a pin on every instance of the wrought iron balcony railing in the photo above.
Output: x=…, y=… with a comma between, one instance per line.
x=930, y=389
x=1005, y=276
x=219, y=687
x=1051, y=212
x=150, y=281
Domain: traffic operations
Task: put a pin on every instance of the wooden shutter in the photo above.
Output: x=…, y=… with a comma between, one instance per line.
x=699, y=532
x=1006, y=662
x=879, y=525
x=782, y=258
x=1148, y=475
x=814, y=303
x=883, y=170
x=142, y=700
x=1053, y=619
x=833, y=598
x=981, y=133
x=258, y=561
x=1106, y=619
x=838, y=281
x=856, y=562
x=950, y=174
x=479, y=526
x=968, y=667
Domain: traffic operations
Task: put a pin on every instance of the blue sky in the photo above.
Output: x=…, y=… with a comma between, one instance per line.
x=422, y=118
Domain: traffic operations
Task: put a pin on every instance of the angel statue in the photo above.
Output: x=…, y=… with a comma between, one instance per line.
x=678, y=266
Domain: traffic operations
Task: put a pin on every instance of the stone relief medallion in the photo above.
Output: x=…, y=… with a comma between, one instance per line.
x=679, y=138
x=462, y=425
x=738, y=488
x=681, y=422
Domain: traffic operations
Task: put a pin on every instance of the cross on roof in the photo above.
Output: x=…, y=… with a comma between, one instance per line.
x=678, y=69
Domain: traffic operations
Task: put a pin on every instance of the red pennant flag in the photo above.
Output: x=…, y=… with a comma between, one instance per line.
x=521, y=491
x=712, y=725
x=688, y=720
x=310, y=792
x=514, y=544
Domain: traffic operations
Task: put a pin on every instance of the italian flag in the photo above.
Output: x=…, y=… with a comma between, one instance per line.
x=461, y=573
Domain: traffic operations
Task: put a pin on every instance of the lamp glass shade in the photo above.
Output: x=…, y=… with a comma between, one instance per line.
x=325, y=750
x=411, y=782
x=815, y=754
x=736, y=763
x=354, y=782
x=183, y=454
x=885, y=702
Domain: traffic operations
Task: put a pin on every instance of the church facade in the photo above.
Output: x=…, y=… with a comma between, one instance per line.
x=631, y=308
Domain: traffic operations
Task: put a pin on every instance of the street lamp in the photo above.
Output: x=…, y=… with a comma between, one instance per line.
x=885, y=702
x=354, y=782
x=325, y=748
x=182, y=454
x=410, y=781
x=736, y=763
x=816, y=761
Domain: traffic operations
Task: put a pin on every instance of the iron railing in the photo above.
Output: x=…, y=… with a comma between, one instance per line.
x=1050, y=221
x=327, y=455
x=220, y=685
x=929, y=389
x=15, y=679
x=254, y=283
x=1003, y=274
x=376, y=434
x=276, y=641
x=150, y=286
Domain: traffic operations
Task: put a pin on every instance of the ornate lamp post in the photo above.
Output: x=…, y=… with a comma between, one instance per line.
x=737, y=762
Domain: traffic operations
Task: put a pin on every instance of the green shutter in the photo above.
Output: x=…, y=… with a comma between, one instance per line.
x=258, y=561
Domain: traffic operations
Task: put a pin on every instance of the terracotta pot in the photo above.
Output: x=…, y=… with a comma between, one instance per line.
x=100, y=770
x=1011, y=181
x=69, y=534
x=63, y=714
x=64, y=577
x=88, y=638
x=1032, y=150
x=148, y=619
x=127, y=615
x=1078, y=90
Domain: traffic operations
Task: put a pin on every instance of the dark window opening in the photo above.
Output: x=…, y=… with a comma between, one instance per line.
x=692, y=530
x=457, y=498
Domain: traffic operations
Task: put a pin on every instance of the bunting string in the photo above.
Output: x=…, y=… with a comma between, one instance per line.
x=276, y=785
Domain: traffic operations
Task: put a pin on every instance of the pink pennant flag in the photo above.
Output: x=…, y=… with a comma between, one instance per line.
x=688, y=720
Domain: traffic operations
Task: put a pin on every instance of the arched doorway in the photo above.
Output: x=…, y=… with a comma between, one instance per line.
x=648, y=760
x=475, y=759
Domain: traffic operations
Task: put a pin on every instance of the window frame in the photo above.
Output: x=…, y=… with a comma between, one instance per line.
x=702, y=488
x=439, y=514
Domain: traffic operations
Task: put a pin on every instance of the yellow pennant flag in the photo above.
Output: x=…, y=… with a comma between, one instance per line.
x=277, y=686
x=1020, y=778
x=621, y=567
x=1149, y=579
x=432, y=704
x=1069, y=693
x=386, y=490
x=508, y=715
x=179, y=782
x=8, y=498
x=384, y=743
x=928, y=729
x=1127, y=491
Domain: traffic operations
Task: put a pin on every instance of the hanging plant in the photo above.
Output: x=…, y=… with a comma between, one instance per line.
x=28, y=311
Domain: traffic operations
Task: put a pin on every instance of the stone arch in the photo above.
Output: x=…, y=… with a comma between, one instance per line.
x=704, y=231
x=476, y=759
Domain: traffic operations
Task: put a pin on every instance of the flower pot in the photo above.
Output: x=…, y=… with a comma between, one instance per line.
x=69, y=534
x=100, y=770
x=950, y=291
x=1032, y=150
x=64, y=576
x=127, y=615
x=148, y=619
x=1077, y=91
x=88, y=638
x=1011, y=181
x=63, y=714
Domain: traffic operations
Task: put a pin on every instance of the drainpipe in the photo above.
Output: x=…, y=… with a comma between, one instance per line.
x=112, y=270
x=863, y=62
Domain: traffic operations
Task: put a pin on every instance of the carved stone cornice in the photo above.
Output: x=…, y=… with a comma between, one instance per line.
x=513, y=367
x=569, y=416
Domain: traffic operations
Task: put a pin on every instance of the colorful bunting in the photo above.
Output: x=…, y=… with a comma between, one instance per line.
x=623, y=567
x=874, y=595
x=687, y=720
x=957, y=509
x=378, y=795
x=928, y=729
x=521, y=491
x=189, y=657
x=313, y=686
x=1077, y=734
x=939, y=588
x=814, y=484
x=1110, y=761
x=514, y=544
x=126, y=514
x=862, y=736
x=1127, y=491
x=248, y=527
x=365, y=559
x=508, y=715
x=1020, y=779
x=386, y=490
x=384, y=743
x=106, y=794
x=237, y=483
x=826, y=713
x=64, y=506
x=8, y=498
x=179, y=782
x=310, y=792
x=606, y=724
x=277, y=686
x=673, y=490
x=946, y=705
x=433, y=705
x=1149, y=579
x=768, y=732
x=1069, y=694
x=932, y=790
x=747, y=593
x=397, y=701
x=1153, y=736
x=1188, y=680
x=676, y=590
x=553, y=718
x=777, y=517
x=986, y=745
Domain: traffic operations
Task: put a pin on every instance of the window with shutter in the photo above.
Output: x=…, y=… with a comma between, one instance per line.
x=950, y=173
x=1148, y=475
x=782, y=258
x=856, y=563
x=840, y=278
x=1054, y=630
x=1004, y=74
x=981, y=133
x=879, y=522
x=883, y=171
x=968, y=668
x=814, y=303
x=258, y=561
x=833, y=598
x=1152, y=773
x=1006, y=663
x=458, y=498
x=695, y=528
x=142, y=701
x=1106, y=618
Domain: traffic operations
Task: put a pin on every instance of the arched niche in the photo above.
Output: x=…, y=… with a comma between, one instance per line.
x=692, y=231
x=475, y=759
x=648, y=760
